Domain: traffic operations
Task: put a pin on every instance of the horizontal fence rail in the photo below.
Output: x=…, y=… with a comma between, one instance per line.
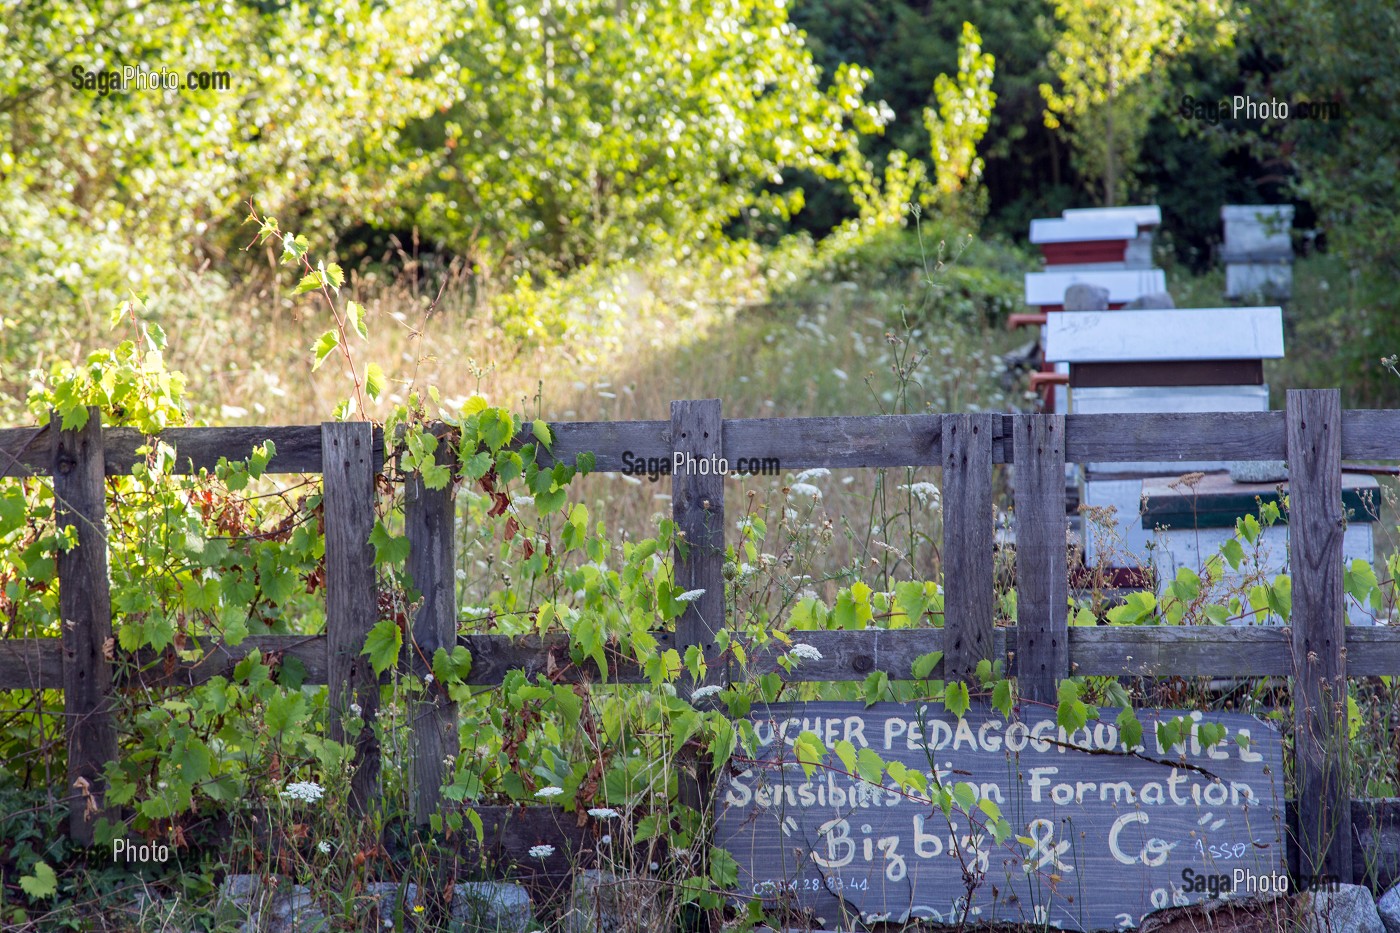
x=799, y=443
x=1109, y=651
x=1318, y=651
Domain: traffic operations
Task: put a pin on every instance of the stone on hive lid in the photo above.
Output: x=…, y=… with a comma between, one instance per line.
x=1154, y=300
x=1084, y=297
x=1258, y=471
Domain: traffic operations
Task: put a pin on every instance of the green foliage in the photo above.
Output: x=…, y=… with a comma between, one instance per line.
x=962, y=116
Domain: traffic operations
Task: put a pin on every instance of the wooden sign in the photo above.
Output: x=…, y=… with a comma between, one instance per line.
x=1100, y=838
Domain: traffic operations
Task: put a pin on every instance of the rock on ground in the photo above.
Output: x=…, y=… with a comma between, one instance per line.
x=600, y=902
x=493, y=907
x=1389, y=909
x=1346, y=908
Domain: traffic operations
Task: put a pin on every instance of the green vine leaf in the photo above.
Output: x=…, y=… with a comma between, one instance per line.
x=325, y=346
x=42, y=884
x=382, y=645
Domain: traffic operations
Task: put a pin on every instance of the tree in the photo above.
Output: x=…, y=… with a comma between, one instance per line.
x=961, y=119
x=1110, y=57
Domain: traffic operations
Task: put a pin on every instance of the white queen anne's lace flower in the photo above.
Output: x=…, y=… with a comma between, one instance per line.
x=804, y=490
x=805, y=652
x=808, y=475
x=926, y=493
x=324, y=847
x=306, y=791
x=602, y=813
x=541, y=851
x=690, y=596
x=700, y=693
x=550, y=791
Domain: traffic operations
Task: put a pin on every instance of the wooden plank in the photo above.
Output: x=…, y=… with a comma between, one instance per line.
x=1164, y=334
x=836, y=443
x=298, y=448
x=1370, y=434
x=351, y=595
x=697, y=506
x=1252, y=435
x=1319, y=634
x=968, y=544
x=613, y=443
x=1185, y=651
x=430, y=519
x=1042, y=572
x=85, y=606
x=1107, y=650
x=797, y=443
x=31, y=664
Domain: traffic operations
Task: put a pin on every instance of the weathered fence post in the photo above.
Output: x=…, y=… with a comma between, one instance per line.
x=1042, y=587
x=968, y=555
x=697, y=505
x=85, y=607
x=352, y=608
x=1316, y=525
x=430, y=519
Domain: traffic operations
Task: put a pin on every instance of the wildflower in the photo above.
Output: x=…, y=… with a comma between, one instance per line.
x=461, y=574
x=804, y=489
x=690, y=596
x=605, y=839
x=550, y=791
x=356, y=709
x=308, y=791
x=654, y=866
x=840, y=374
x=418, y=908
x=813, y=473
x=476, y=612
x=427, y=678
x=925, y=492
x=541, y=851
x=388, y=923
x=602, y=813
x=324, y=847
x=523, y=500
x=701, y=693
x=805, y=652
x=680, y=854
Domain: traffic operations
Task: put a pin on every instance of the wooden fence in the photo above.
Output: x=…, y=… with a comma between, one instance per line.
x=1318, y=651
